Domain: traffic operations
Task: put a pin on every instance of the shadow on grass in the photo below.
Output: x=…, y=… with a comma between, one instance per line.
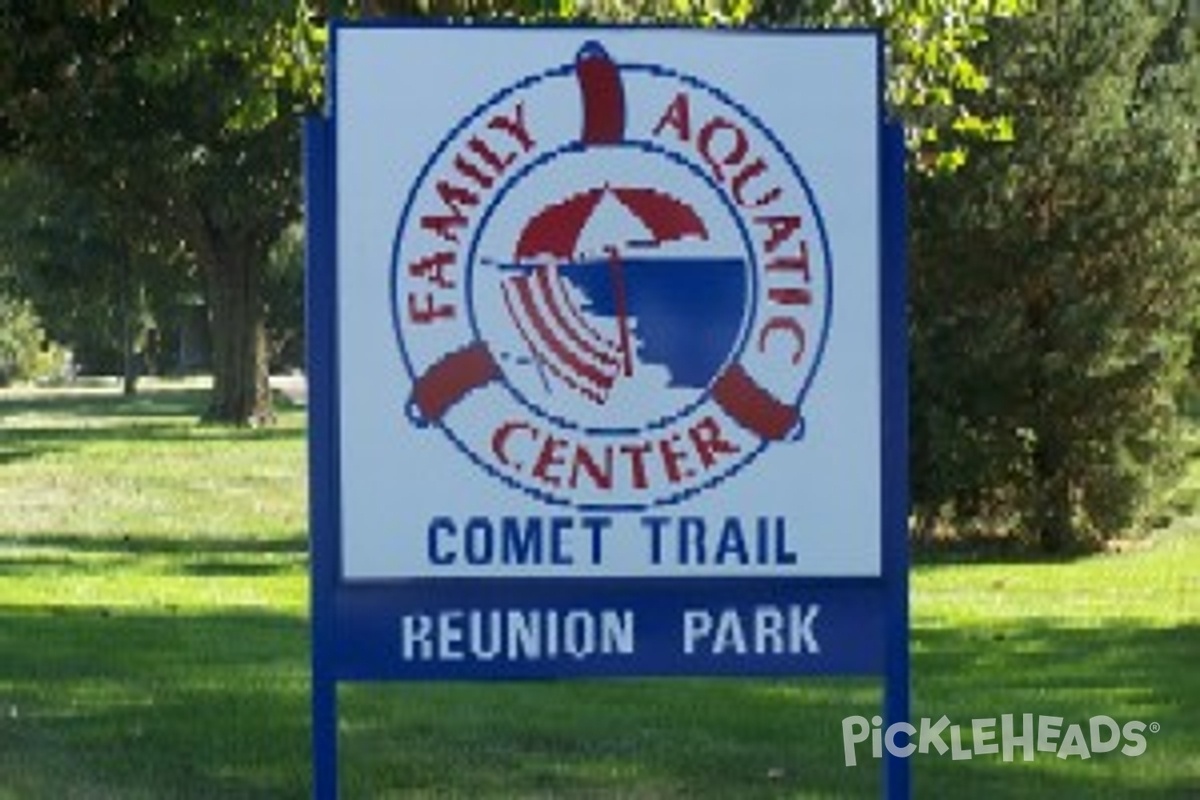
x=685, y=738
x=27, y=442
x=237, y=569
x=146, y=705
x=717, y=738
x=201, y=554
x=109, y=704
x=988, y=550
x=1124, y=672
x=162, y=416
x=200, y=543
x=152, y=403
x=155, y=403
x=10, y=454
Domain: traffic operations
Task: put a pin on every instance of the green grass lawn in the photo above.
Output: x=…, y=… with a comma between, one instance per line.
x=154, y=644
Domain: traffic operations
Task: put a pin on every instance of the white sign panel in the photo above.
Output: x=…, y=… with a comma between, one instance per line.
x=608, y=303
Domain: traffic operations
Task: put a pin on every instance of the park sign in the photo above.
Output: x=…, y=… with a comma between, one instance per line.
x=606, y=356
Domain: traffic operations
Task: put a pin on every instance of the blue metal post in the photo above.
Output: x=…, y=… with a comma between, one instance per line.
x=894, y=330
x=320, y=298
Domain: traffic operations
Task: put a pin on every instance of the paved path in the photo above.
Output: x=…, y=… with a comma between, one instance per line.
x=294, y=387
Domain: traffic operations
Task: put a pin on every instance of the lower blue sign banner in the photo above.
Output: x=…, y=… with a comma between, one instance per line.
x=549, y=629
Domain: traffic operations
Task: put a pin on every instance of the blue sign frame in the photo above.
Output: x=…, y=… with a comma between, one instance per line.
x=354, y=624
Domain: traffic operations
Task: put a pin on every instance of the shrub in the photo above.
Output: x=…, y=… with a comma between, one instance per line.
x=24, y=352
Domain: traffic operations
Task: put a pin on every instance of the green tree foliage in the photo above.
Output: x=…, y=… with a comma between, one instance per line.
x=179, y=117
x=689, y=11
x=97, y=288
x=1056, y=279
x=934, y=80
x=935, y=83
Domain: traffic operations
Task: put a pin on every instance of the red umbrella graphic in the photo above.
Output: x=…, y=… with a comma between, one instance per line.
x=556, y=330
x=555, y=230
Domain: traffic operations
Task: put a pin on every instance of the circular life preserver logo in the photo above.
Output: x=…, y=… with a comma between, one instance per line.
x=611, y=286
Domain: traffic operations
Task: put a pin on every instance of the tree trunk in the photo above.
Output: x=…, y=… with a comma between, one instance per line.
x=240, y=394
x=128, y=335
x=1052, y=517
x=1052, y=512
x=1052, y=506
